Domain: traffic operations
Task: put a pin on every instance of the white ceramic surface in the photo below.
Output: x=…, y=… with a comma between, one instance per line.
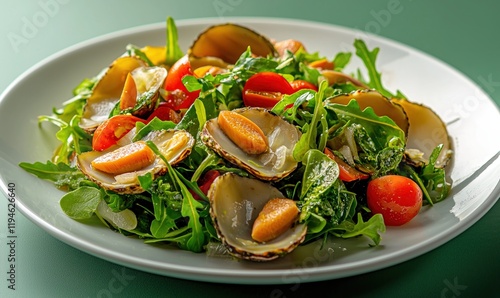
x=471, y=116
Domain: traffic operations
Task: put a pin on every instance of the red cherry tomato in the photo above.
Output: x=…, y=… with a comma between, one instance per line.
x=265, y=89
x=397, y=198
x=113, y=129
x=205, y=182
x=346, y=172
x=179, y=97
x=302, y=84
x=165, y=112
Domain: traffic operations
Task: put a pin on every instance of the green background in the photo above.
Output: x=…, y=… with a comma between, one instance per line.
x=464, y=34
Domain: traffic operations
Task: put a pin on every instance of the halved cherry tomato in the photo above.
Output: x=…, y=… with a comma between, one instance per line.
x=303, y=84
x=347, y=173
x=265, y=89
x=179, y=97
x=205, y=182
x=165, y=112
x=113, y=129
x=397, y=198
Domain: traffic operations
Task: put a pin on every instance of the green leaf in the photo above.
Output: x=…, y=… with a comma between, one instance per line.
x=146, y=181
x=435, y=178
x=320, y=176
x=200, y=112
x=320, y=173
x=317, y=127
x=315, y=223
x=380, y=129
x=133, y=50
x=294, y=114
x=81, y=203
x=189, y=207
x=378, y=141
x=341, y=60
x=179, y=236
x=72, y=137
x=369, y=59
x=195, y=114
x=174, y=51
x=63, y=175
x=85, y=86
x=371, y=229
x=153, y=125
x=119, y=202
x=431, y=179
x=163, y=225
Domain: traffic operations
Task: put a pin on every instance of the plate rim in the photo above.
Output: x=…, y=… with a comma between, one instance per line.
x=242, y=276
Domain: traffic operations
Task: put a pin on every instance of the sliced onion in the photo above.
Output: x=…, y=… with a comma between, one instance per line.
x=125, y=220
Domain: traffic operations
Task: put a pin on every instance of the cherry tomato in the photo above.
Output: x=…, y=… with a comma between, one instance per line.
x=303, y=84
x=179, y=97
x=397, y=198
x=265, y=89
x=347, y=173
x=205, y=182
x=113, y=129
x=165, y=112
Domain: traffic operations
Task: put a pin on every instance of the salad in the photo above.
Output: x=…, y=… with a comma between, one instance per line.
x=245, y=145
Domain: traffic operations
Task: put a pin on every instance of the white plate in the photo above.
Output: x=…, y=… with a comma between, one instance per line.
x=423, y=79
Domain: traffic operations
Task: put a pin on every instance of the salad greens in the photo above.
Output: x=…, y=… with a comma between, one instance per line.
x=173, y=209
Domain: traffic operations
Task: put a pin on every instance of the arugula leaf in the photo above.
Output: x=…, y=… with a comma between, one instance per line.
x=367, y=119
x=189, y=207
x=85, y=87
x=315, y=133
x=382, y=129
x=295, y=114
x=133, y=50
x=434, y=178
x=369, y=59
x=246, y=66
x=72, y=137
x=155, y=124
x=173, y=50
x=166, y=205
x=371, y=229
x=180, y=236
x=195, y=114
x=119, y=202
x=165, y=223
x=341, y=60
x=61, y=174
x=431, y=179
x=379, y=141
